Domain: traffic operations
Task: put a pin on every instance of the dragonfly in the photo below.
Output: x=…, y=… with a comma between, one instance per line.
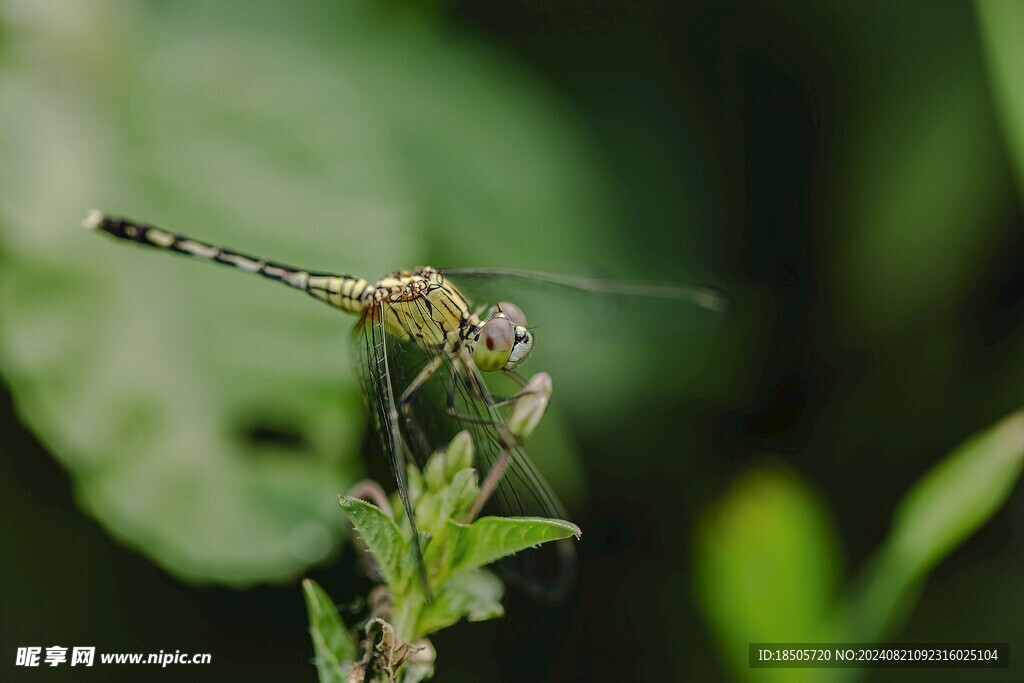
x=458, y=343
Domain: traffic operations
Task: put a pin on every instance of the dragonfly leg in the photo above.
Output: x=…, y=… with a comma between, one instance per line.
x=519, y=379
x=499, y=401
x=522, y=420
x=405, y=406
x=478, y=393
x=453, y=411
x=409, y=395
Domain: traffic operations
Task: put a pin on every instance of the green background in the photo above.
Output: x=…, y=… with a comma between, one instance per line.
x=173, y=436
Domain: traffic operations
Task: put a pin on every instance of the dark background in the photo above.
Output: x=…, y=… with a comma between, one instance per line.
x=784, y=129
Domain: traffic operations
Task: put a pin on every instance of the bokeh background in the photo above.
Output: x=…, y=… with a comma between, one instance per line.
x=173, y=436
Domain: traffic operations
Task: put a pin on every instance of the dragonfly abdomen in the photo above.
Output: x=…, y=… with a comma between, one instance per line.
x=341, y=291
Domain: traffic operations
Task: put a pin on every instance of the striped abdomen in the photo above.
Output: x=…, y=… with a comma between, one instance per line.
x=341, y=291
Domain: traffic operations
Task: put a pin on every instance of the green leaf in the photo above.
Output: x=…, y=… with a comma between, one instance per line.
x=939, y=513
x=491, y=538
x=766, y=567
x=959, y=495
x=1002, y=24
x=474, y=595
x=462, y=491
x=382, y=537
x=435, y=511
x=332, y=645
x=447, y=502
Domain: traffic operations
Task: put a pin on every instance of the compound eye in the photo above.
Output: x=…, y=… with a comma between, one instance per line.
x=513, y=313
x=497, y=337
x=521, y=348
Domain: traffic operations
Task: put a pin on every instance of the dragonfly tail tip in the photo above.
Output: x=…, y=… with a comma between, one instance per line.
x=93, y=220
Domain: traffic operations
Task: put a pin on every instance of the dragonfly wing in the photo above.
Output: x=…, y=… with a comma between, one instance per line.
x=708, y=298
x=456, y=389
x=546, y=573
x=380, y=392
x=455, y=398
x=606, y=343
x=522, y=491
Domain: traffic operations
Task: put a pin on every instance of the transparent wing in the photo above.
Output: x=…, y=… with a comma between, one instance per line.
x=455, y=398
x=379, y=388
x=710, y=298
x=608, y=343
x=460, y=398
x=522, y=490
x=628, y=291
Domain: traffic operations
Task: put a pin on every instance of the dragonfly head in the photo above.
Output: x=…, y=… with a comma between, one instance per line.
x=504, y=342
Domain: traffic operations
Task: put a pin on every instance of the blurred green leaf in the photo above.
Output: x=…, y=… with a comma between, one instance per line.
x=939, y=513
x=332, y=645
x=919, y=181
x=354, y=137
x=1002, y=24
x=959, y=495
x=491, y=538
x=766, y=568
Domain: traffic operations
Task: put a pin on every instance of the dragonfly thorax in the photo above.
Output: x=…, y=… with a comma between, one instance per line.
x=421, y=307
x=425, y=308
